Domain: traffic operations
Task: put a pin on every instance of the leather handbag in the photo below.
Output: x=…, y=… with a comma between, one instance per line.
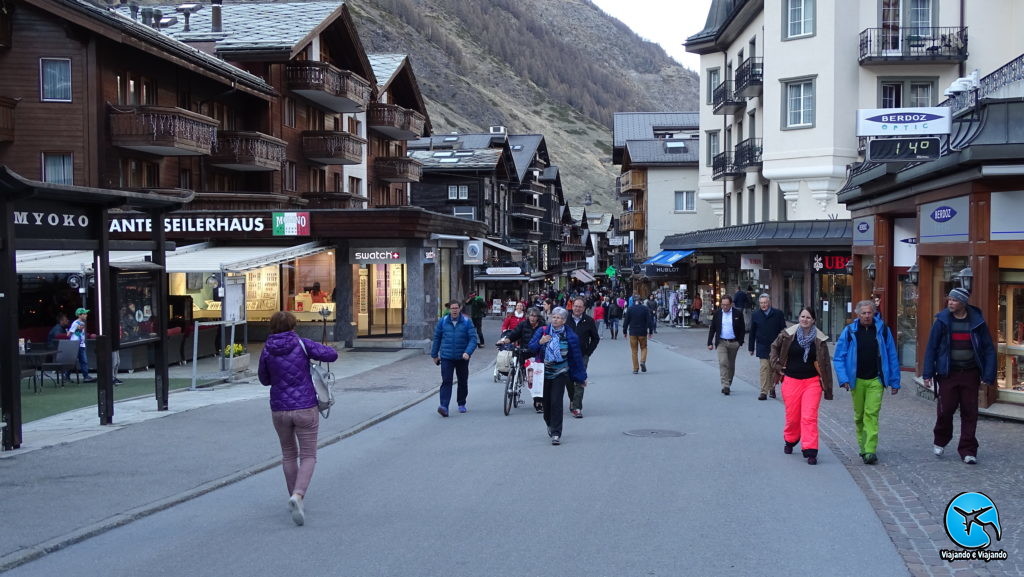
x=323, y=382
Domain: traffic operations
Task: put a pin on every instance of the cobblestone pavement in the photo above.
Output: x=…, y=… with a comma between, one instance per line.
x=909, y=487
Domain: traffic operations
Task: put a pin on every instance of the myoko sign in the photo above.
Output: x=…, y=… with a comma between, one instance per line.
x=38, y=219
x=903, y=121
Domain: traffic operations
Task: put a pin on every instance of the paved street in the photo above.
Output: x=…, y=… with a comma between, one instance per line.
x=199, y=492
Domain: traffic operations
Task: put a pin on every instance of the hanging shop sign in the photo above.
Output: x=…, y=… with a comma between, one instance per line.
x=945, y=221
x=504, y=270
x=383, y=255
x=904, y=246
x=39, y=219
x=704, y=259
x=864, y=231
x=751, y=261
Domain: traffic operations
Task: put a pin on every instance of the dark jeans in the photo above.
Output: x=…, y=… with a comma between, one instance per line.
x=554, y=391
x=575, y=390
x=83, y=362
x=461, y=369
x=479, y=324
x=958, y=389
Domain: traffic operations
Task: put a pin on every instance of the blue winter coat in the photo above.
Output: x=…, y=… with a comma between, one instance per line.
x=937, y=354
x=577, y=370
x=453, y=339
x=285, y=369
x=845, y=358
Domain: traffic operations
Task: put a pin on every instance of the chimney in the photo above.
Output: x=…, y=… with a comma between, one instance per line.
x=147, y=16
x=134, y=8
x=215, y=5
x=158, y=15
x=187, y=28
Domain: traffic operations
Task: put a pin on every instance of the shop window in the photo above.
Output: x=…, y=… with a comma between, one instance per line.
x=307, y=285
x=1010, y=334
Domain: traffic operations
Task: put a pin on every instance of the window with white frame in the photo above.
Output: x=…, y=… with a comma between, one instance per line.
x=58, y=168
x=714, y=145
x=920, y=16
x=799, y=103
x=55, y=79
x=686, y=200
x=909, y=93
x=714, y=79
x=467, y=212
x=798, y=19
x=458, y=192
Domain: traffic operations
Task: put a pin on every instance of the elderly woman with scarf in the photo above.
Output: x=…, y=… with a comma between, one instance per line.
x=800, y=354
x=559, y=349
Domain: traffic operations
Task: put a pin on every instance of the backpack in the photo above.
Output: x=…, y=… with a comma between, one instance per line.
x=614, y=310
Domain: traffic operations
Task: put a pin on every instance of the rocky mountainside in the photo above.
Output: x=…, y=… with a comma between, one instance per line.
x=560, y=68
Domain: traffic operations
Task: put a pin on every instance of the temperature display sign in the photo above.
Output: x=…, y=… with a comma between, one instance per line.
x=903, y=149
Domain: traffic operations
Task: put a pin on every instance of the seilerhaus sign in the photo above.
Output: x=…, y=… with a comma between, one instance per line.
x=903, y=121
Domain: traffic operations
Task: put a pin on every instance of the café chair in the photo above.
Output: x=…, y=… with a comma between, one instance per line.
x=65, y=362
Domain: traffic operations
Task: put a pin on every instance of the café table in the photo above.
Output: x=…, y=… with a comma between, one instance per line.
x=34, y=359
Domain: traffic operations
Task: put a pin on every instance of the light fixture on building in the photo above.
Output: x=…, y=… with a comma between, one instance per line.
x=849, y=265
x=966, y=278
x=913, y=274
x=871, y=270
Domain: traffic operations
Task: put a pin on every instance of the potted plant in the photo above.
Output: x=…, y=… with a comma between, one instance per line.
x=235, y=359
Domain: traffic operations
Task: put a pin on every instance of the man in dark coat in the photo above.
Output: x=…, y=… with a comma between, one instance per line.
x=586, y=329
x=636, y=323
x=477, y=307
x=726, y=335
x=765, y=324
x=744, y=302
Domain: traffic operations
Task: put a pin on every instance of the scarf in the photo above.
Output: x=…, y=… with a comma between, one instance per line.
x=553, y=351
x=805, y=339
x=519, y=314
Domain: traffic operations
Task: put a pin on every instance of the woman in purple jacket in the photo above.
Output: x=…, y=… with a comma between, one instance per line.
x=284, y=367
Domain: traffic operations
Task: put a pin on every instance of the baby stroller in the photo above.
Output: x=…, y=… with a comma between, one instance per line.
x=505, y=361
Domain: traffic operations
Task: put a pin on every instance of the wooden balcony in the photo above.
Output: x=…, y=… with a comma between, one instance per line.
x=724, y=99
x=634, y=221
x=332, y=147
x=395, y=122
x=750, y=77
x=247, y=152
x=917, y=45
x=327, y=86
x=398, y=169
x=523, y=229
x=162, y=131
x=632, y=182
x=7, y=118
x=723, y=167
x=526, y=205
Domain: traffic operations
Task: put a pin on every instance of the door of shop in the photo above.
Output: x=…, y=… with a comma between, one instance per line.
x=835, y=294
x=385, y=303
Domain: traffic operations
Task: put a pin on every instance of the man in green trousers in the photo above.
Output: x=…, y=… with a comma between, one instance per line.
x=866, y=362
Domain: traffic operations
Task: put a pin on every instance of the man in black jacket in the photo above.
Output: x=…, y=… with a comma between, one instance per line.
x=765, y=324
x=586, y=329
x=726, y=335
x=636, y=323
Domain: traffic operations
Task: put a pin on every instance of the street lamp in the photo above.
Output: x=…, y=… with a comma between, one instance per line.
x=966, y=278
x=849, y=265
x=871, y=270
x=913, y=274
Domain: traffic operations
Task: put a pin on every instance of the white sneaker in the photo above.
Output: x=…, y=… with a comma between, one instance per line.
x=938, y=450
x=971, y=460
x=298, y=515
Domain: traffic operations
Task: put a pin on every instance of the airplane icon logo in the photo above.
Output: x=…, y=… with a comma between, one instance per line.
x=972, y=521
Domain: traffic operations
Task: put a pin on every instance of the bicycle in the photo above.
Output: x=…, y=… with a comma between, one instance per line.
x=516, y=380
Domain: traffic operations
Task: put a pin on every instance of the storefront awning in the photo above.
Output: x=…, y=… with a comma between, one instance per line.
x=517, y=255
x=668, y=257
x=203, y=258
x=502, y=278
x=67, y=261
x=583, y=276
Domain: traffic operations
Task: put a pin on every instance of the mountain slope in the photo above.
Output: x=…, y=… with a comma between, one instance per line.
x=560, y=68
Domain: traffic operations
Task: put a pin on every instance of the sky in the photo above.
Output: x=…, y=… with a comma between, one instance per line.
x=665, y=22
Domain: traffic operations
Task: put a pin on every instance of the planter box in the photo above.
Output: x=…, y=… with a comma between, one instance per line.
x=235, y=364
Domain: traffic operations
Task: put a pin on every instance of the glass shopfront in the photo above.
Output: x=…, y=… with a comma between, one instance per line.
x=380, y=305
x=1010, y=334
x=906, y=321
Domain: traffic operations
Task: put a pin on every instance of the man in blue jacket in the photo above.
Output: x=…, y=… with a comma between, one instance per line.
x=866, y=362
x=454, y=342
x=959, y=359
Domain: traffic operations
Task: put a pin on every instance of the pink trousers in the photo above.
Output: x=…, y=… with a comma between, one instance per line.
x=801, y=397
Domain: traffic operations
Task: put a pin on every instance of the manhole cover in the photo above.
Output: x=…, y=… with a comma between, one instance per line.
x=654, y=433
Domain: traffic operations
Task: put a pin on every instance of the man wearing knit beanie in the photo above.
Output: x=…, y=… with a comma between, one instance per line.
x=958, y=360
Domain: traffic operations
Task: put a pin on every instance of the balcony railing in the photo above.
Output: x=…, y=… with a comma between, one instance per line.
x=248, y=151
x=896, y=44
x=398, y=169
x=7, y=118
x=1011, y=73
x=334, y=89
x=395, y=122
x=724, y=99
x=163, y=131
x=723, y=166
x=332, y=147
x=748, y=154
x=525, y=205
x=750, y=77
x=520, y=228
x=631, y=221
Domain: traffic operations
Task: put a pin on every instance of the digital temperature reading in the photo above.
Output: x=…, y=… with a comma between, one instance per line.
x=903, y=149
